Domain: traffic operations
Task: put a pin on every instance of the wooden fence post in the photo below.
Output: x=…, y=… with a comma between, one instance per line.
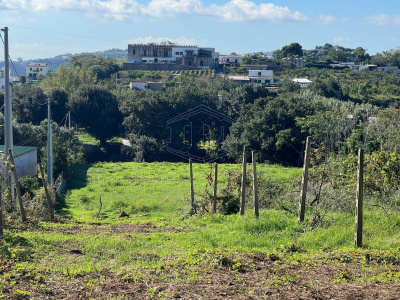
x=215, y=188
x=49, y=204
x=191, y=186
x=255, y=187
x=359, y=202
x=243, y=186
x=21, y=205
x=304, y=181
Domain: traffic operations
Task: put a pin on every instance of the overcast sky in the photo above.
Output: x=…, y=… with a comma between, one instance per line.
x=45, y=28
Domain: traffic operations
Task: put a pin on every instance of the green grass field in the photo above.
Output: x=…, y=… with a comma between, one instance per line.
x=137, y=188
x=160, y=252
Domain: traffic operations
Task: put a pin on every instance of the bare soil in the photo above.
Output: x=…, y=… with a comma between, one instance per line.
x=259, y=276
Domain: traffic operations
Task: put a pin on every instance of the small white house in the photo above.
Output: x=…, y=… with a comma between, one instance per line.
x=33, y=69
x=261, y=76
x=231, y=59
x=240, y=80
x=25, y=159
x=141, y=86
x=303, y=82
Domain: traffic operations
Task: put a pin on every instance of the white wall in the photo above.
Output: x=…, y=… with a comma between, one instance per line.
x=264, y=73
x=25, y=164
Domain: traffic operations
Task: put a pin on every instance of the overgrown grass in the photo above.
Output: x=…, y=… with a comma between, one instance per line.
x=138, y=188
x=160, y=243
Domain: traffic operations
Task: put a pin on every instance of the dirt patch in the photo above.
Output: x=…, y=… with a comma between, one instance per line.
x=258, y=279
x=118, y=228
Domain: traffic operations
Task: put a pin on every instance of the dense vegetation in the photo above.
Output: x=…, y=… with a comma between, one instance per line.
x=165, y=242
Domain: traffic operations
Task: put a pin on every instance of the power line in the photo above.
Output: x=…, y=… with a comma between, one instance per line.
x=15, y=70
x=68, y=34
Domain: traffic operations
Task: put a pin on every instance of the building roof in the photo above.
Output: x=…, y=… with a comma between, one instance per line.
x=37, y=65
x=230, y=55
x=19, y=150
x=301, y=80
x=239, y=78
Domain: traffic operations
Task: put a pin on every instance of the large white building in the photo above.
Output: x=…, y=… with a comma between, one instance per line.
x=198, y=57
x=33, y=69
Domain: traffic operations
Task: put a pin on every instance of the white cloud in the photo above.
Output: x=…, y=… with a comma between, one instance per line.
x=327, y=19
x=243, y=10
x=149, y=39
x=396, y=20
x=380, y=20
x=340, y=39
x=231, y=11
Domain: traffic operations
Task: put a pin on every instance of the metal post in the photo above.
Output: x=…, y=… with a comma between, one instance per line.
x=49, y=146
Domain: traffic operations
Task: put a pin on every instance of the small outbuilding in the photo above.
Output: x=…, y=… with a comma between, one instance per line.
x=25, y=159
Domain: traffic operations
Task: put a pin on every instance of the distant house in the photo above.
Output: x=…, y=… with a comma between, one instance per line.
x=261, y=76
x=297, y=62
x=34, y=69
x=25, y=159
x=255, y=76
x=13, y=80
x=303, y=82
x=230, y=59
x=240, y=80
x=388, y=69
x=2, y=79
x=364, y=67
x=141, y=86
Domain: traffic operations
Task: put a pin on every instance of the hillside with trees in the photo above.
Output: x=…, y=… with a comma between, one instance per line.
x=142, y=222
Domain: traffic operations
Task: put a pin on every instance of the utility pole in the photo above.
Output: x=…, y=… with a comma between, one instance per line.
x=49, y=146
x=8, y=136
x=69, y=120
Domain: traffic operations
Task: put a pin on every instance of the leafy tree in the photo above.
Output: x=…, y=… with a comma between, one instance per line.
x=29, y=104
x=22, y=79
x=288, y=85
x=294, y=49
x=66, y=147
x=59, y=100
x=278, y=55
x=96, y=109
x=329, y=88
x=269, y=125
x=337, y=55
x=360, y=55
x=69, y=78
x=257, y=55
x=246, y=60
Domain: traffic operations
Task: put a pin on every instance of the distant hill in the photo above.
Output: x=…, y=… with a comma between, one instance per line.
x=56, y=61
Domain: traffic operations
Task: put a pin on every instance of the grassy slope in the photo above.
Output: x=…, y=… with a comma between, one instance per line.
x=170, y=249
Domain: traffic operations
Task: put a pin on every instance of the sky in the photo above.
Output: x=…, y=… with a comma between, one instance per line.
x=46, y=28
